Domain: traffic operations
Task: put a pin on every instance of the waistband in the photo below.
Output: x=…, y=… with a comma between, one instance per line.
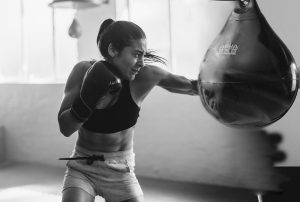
x=84, y=151
x=80, y=153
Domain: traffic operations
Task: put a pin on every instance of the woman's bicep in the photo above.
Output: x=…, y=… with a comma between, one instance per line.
x=68, y=98
x=67, y=123
x=72, y=88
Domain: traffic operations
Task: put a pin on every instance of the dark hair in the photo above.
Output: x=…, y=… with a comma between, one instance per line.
x=120, y=34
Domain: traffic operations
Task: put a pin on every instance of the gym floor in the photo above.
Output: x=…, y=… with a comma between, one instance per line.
x=35, y=183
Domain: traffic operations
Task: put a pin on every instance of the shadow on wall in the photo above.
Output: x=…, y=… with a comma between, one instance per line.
x=169, y=139
x=254, y=155
x=2, y=144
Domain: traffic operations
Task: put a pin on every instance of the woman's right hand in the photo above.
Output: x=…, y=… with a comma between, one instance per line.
x=98, y=81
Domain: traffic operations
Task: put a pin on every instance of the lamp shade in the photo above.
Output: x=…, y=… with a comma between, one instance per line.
x=76, y=4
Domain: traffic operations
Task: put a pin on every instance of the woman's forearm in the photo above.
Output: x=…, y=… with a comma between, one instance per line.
x=67, y=123
x=182, y=85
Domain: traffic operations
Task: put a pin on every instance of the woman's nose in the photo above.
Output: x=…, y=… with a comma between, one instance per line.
x=141, y=62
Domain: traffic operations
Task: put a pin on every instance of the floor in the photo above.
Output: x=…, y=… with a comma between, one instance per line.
x=35, y=183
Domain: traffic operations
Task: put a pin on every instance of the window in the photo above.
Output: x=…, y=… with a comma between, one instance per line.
x=35, y=46
x=180, y=30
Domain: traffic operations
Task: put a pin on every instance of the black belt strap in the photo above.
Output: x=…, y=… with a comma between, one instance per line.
x=89, y=159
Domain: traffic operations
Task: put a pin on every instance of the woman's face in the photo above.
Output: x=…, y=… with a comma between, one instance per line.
x=131, y=59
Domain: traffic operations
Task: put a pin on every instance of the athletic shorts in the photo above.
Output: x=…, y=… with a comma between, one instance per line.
x=113, y=179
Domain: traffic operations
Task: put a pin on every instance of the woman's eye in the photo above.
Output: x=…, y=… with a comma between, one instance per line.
x=138, y=55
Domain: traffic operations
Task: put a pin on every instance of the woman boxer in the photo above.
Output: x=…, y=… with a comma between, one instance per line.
x=102, y=100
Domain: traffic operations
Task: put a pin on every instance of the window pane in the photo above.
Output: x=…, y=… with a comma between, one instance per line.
x=38, y=41
x=153, y=17
x=122, y=12
x=66, y=50
x=31, y=51
x=10, y=40
x=181, y=30
x=194, y=26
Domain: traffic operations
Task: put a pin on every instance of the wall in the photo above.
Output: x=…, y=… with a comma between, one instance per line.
x=175, y=138
x=2, y=144
x=29, y=116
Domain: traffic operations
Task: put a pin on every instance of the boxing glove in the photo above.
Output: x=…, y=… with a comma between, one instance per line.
x=195, y=86
x=98, y=81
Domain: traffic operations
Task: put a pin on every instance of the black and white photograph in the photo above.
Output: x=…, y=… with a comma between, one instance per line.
x=149, y=101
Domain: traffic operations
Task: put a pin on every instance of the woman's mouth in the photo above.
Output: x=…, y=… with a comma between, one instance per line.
x=135, y=70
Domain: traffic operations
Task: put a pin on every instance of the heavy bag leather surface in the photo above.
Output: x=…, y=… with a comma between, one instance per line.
x=248, y=77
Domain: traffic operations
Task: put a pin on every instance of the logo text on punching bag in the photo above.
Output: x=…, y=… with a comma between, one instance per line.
x=228, y=49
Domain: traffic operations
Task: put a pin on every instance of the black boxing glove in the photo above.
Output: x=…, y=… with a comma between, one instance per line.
x=98, y=81
x=195, y=86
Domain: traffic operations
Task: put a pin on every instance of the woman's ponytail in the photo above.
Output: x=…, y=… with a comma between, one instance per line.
x=103, y=26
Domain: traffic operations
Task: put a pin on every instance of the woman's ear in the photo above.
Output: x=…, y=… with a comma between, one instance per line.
x=112, y=51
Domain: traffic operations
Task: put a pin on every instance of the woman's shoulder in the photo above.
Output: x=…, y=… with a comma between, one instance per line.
x=152, y=71
x=84, y=64
x=79, y=71
x=149, y=70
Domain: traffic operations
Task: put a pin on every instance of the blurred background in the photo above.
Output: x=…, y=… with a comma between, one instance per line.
x=175, y=138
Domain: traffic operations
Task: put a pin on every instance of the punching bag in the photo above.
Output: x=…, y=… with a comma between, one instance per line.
x=75, y=30
x=248, y=77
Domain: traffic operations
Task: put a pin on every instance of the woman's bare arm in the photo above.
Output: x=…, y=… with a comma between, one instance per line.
x=175, y=83
x=67, y=123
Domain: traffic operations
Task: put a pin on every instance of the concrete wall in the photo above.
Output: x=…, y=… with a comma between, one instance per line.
x=29, y=116
x=175, y=138
x=2, y=144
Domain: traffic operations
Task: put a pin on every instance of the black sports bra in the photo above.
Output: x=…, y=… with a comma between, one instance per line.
x=120, y=116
